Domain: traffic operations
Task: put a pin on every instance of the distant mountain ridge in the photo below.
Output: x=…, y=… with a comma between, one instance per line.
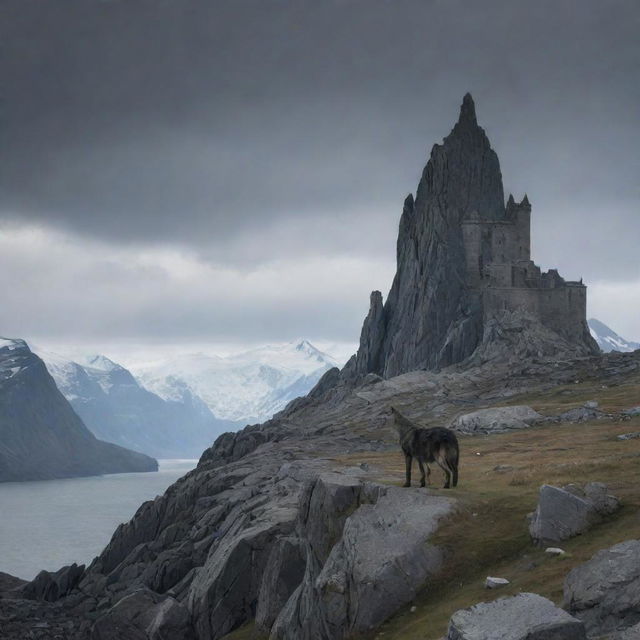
x=116, y=408
x=608, y=339
x=249, y=386
x=177, y=407
x=41, y=436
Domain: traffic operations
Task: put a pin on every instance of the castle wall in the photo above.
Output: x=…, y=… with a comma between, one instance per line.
x=492, y=245
x=562, y=309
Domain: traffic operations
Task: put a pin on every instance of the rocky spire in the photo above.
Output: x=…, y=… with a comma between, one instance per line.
x=433, y=316
x=468, y=112
x=428, y=295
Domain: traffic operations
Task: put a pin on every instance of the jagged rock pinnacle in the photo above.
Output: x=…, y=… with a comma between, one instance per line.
x=468, y=111
x=436, y=310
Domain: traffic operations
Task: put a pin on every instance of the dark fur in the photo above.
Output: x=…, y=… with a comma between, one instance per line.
x=437, y=445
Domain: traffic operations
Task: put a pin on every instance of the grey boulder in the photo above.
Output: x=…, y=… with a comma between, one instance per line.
x=51, y=586
x=581, y=414
x=605, y=591
x=144, y=615
x=568, y=511
x=526, y=616
x=496, y=420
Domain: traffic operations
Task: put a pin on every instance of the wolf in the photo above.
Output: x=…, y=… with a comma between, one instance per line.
x=437, y=444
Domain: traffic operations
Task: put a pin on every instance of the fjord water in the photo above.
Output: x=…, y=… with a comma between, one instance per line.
x=48, y=524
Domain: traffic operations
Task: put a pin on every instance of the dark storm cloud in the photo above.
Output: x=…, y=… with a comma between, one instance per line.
x=207, y=123
x=235, y=170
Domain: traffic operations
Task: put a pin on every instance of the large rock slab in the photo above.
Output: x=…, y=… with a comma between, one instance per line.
x=283, y=574
x=380, y=562
x=564, y=512
x=496, y=420
x=605, y=591
x=526, y=616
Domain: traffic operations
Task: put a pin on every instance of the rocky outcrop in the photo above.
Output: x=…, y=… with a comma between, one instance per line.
x=526, y=616
x=53, y=586
x=464, y=270
x=143, y=615
x=430, y=319
x=496, y=420
x=605, y=591
x=269, y=539
x=371, y=337
x=41, y=436
x=569, y=511
x=378, y=564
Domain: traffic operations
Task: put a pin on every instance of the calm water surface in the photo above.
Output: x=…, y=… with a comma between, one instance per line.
x=45, y=525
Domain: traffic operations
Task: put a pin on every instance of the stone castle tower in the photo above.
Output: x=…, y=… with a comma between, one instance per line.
x=463, y=259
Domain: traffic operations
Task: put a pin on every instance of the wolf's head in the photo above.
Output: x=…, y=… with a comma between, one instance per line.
x=395, y=418
x=399, y=422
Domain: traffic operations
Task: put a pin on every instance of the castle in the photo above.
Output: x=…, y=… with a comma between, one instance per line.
x=499, y=267
x=463, y=265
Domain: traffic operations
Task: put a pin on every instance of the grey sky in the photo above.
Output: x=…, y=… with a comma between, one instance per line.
x=178, y=170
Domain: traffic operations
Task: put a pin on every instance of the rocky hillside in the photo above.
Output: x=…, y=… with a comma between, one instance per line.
x=117, y=408
x=300, y=528
x=41, y=437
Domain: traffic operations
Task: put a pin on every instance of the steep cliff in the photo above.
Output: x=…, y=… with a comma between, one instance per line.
x=41, y=437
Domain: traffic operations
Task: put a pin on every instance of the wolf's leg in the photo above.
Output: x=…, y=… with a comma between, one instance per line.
x=421, y=464
x=453, y=463
x=408, y=461
x=428, y=474
x=442, y=464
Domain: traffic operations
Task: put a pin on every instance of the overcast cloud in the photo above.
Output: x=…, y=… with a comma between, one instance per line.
x=185, y=172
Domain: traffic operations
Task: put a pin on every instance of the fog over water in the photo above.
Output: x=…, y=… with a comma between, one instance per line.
x=49, y=524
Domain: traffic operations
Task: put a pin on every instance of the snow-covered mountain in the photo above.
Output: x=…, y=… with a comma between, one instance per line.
x=608, y=339
x=116, y=408
x=41, y=437
x=248, y=387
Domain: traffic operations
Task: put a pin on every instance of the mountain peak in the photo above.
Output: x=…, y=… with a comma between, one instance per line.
x=101, y=363
x=304, y=345
x=12, y=343
x=468, y=111
x=608, y=339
